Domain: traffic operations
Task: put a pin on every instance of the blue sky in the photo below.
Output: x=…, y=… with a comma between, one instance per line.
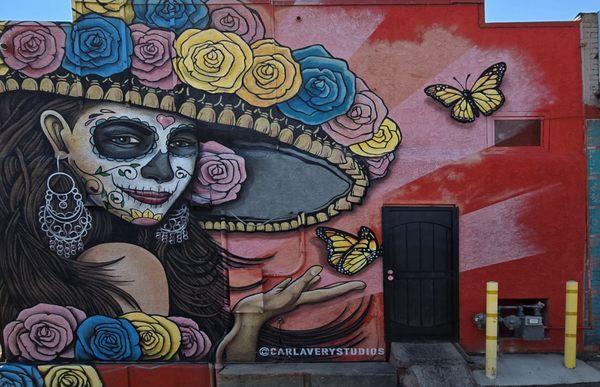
x=496, y=10
x=537, y=10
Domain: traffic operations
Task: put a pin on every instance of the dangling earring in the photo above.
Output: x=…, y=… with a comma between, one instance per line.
x=174, y=230
x=64, y=218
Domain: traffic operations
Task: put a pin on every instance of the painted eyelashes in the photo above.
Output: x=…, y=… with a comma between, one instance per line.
x=131, y=139
x=122, y=138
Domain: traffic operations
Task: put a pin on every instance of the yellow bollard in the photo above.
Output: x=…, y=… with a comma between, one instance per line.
x=491, y=329
x=571, y=325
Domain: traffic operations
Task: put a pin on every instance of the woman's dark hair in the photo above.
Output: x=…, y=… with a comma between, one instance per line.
x=30, y=273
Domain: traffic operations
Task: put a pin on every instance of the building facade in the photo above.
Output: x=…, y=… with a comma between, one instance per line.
x=285, y=181
x=589, y=55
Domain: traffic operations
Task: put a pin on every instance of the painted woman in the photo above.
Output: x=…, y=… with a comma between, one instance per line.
x=120, y=141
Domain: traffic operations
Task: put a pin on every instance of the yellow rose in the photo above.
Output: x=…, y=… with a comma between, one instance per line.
x=72, y=375
x=211, y=60
x=160, y=337
x=3, y=68
x=385, y=140
x=121, y=9
x=274, y=76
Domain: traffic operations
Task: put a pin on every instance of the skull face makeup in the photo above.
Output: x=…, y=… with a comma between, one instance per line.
x=134, y=162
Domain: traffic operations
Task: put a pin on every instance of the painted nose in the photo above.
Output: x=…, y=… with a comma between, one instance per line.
x=158, y=169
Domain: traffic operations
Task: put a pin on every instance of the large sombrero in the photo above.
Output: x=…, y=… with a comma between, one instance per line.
x=311, y=132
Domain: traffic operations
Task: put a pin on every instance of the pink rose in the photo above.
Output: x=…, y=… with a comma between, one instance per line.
x=34, y=49
x=219, y=175
x=195, y=344
x=236, y=18
x=362, y=120
x=378, y=166
x=43, y=333
x=153, y=52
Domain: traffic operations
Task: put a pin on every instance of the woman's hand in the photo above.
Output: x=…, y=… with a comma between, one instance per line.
x=288, y=295
x=253, y=311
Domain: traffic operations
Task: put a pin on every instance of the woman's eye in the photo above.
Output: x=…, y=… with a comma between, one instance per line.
x=180, y=144
x=125, y=140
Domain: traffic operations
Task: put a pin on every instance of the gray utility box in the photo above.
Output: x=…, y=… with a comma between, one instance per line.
x=531, y=328
x=519, y=325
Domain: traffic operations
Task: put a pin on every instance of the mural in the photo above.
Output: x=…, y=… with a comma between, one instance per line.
x=132, y=132
x=483, y=97
x=165, y=166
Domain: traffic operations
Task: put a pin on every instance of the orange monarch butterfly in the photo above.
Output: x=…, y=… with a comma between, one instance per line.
x=484, y=96
x=347, y=253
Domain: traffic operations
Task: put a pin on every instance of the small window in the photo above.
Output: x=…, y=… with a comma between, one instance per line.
x=527, y=132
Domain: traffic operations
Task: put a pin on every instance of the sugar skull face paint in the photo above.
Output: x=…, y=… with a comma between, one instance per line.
x=134, y=162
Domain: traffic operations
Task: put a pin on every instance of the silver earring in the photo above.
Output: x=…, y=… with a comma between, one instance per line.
x=64, y=218
x=174, y=230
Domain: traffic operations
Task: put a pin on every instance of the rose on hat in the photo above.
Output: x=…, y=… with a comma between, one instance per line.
x=98, y=45
x=327, y=91
x=153, y=52
x=361, y=121
x=211, y=60
x=176, y=15
x=235, y=17
x=273, y=77
x=34, y=49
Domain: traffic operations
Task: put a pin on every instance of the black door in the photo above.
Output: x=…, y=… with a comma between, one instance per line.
x=420, y=272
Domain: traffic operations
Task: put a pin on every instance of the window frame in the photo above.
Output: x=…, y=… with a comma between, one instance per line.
x=516, y=116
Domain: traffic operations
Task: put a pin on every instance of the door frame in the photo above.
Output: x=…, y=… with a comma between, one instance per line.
x=455, y=267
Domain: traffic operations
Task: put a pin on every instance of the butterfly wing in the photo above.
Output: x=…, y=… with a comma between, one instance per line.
x=461, y=107
x=490, y=78
x=366, y=233
x=488, y=101
x=444, y=94
x=485, y=92
x=463, y=111
x=362, y=254
x=338, y=243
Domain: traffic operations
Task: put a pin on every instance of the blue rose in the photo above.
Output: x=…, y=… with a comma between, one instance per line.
x=174, y=15
x=20, y=375
x=98, y=45
x=107, y=339
x=328, y=87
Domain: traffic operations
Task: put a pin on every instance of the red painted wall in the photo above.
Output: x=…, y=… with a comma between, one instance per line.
x=522, y=210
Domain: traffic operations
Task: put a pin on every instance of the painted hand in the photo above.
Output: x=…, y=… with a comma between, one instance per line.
x=290, y=294
x=253, y=311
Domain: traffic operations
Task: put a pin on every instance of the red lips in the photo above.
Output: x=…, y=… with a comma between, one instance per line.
x=148, y=197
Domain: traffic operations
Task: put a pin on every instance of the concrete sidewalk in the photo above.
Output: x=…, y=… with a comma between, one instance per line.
x=537, y=370
x=307, y=374
x=415, y=365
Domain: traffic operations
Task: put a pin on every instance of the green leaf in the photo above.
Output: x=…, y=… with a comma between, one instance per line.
x=134, y=165
x=105, y=174
x=99, y=170
x=121, y=173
